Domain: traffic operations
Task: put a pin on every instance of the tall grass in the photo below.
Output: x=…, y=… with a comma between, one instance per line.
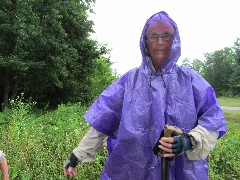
x=225, y=159
x=37, y=145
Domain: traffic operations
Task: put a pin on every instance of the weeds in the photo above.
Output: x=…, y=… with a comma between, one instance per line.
x=37, y=145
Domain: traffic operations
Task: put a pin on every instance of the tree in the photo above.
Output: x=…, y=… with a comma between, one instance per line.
x=46, y=50
x=186, y=62
x=236, y=48
x=219, y=68
x=196, y=64
x=235, y=77
x=101, y=77
x=234, y=81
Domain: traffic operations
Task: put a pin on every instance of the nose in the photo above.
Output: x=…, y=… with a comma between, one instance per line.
x=160, y=40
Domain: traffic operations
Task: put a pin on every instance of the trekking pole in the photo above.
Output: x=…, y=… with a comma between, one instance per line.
x=165, y=168
x=168, y=131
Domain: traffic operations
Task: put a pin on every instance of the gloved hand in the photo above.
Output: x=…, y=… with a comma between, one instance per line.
x=72, y=161
x=181, y=144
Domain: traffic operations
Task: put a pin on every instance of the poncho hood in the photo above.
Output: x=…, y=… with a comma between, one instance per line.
x=175, y=53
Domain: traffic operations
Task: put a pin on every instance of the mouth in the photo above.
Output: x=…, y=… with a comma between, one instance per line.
x=159, y=50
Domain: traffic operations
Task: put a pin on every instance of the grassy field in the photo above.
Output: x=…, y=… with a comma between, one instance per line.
x=37, y=145
x=224, y=159
x=226, y=101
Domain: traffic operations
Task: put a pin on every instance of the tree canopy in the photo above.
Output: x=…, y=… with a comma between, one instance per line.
x=221, y=69
x=46, y=50
x=47, y=53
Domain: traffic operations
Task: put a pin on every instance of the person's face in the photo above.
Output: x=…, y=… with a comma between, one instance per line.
x=159, y=37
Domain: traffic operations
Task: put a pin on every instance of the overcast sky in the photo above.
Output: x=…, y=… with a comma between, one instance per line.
x=204, y=26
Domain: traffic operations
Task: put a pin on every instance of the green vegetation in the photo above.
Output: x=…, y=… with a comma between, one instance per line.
x=37, y=144
x=224, y=160
x=228, y=101
x=221, y=69
x=47, y=52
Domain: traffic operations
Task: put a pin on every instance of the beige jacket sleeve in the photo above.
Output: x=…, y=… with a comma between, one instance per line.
x=89, y=145
x=205, y=142
x=93, y=141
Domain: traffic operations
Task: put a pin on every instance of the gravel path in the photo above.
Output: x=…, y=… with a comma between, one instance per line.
x=230, y=108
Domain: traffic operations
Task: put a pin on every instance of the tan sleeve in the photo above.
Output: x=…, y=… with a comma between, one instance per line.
x=89, y=145
x=205, y=142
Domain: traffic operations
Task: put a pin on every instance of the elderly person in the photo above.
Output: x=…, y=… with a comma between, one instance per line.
x=133, y=111
x=3, y=166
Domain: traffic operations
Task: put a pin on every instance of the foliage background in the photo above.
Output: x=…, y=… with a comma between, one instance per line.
x=47, y=53
x=37, y=143
x=221, y=69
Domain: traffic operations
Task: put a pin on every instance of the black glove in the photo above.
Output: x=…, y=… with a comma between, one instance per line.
x=72, y=161
x=181, y=144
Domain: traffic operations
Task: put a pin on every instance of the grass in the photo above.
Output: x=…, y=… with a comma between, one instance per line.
x=227, y=101
x=224, y=159
x=37, y=145
x=233, y=116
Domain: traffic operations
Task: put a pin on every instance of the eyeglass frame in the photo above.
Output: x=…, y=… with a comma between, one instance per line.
x=155, y=37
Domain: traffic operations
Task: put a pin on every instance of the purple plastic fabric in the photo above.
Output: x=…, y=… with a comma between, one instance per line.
x=134, y=109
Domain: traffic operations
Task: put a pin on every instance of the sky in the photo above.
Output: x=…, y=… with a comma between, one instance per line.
x=204, y=26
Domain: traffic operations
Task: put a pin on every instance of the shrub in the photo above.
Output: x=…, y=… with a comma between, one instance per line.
x=37, y=145
x=224, y=160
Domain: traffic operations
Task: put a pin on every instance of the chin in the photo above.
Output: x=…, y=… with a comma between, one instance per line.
x=159, y=59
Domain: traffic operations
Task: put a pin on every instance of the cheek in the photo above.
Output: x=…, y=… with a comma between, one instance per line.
x=150, y=47
x=170, y=44
x=168, y=48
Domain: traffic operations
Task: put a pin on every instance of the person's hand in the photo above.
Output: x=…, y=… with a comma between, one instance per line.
x=69, y=168
x=176, y=145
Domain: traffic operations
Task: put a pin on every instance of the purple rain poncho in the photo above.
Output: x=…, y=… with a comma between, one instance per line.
x=134, y=109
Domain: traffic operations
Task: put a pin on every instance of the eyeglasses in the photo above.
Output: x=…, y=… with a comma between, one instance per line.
x=164, y=37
